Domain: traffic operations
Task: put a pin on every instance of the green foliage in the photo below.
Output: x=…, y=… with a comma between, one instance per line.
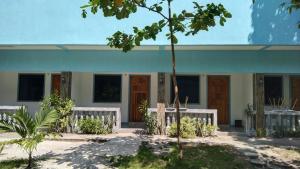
x=261, y=133
x=205, y=130
x=63, y=108
x=190, y=128
x=188, y=22
x=32, y=130
x=187, y=128
x=95, y=126
x=293, y=6
x=280, y=132
x=150, y=120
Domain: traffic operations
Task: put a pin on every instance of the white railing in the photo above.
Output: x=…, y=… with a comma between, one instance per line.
x=208, y=116
x=8, y=109
x=275, y=121
x=105, y=114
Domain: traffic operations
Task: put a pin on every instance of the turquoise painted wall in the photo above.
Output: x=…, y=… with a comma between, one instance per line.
x=60, y=22
x=150, y=61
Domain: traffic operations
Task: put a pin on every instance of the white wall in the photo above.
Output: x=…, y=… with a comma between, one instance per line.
x=9, y=91
x=241, y=92
x=84, y=92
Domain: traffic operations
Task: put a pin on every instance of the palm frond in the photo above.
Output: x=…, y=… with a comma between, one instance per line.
x=24, y=121
x=44, y=118
x=14, y=141
x=6, y=126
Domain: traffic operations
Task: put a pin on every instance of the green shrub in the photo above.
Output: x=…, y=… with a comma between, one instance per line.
x=63, y=108
x=187, y=128
x=94, y=126
x=149, y=119
x=205, y=130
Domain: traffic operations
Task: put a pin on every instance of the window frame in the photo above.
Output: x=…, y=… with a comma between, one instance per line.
x=186, y=75
x=282, y=87
x=18, y=87
x=94, y=84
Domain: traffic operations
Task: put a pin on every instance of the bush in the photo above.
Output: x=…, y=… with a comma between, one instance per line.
x=187, y=128
x=204, y=130
x=149, y=119
x=94, y=126
x=63, y=108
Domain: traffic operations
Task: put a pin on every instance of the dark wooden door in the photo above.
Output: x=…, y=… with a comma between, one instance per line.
x=295, y=84
x=55, y=83
x=139, y=91
x=218, y=97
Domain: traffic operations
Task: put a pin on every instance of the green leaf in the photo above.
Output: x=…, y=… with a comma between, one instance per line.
x=227, y=15
x=86, y=6
x=84, y=13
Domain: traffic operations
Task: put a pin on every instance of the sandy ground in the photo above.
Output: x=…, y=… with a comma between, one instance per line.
x=75, y=151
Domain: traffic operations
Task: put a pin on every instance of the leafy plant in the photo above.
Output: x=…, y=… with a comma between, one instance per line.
x=149, y=119
x=94, y=126
x=187, y=128
x=63, y=108
x=32, y=130
x=261, y=133
x=205, y=130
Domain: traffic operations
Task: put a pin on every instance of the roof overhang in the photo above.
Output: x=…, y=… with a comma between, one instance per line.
x=155, y=47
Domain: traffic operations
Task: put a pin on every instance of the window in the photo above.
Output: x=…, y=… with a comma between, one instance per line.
x=188, y=86
x=31, y=87
x=273, y=88
x=107, y=88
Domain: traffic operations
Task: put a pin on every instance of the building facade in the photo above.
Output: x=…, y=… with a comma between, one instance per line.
x=216, y=69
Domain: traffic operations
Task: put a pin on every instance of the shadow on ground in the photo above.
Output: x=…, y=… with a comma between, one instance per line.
x=95, y=155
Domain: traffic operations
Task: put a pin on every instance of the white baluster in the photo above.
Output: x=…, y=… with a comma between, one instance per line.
x=76, y=122
x=168, y=120
x=209, y=121
x=102, y=117
x=173, y=119
x=114, y=120
x=204, y=120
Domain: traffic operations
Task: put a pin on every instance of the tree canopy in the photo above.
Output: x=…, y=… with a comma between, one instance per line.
x=187, y=22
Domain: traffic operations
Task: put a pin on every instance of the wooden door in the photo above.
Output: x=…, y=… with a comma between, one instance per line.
x=55, y=83
x=295, y=86
x=218, y=97
x=139, y=91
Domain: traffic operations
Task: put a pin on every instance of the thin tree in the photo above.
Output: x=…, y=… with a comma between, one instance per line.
x=187, y=22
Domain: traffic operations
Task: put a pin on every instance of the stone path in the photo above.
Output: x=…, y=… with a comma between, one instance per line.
x=91, y=151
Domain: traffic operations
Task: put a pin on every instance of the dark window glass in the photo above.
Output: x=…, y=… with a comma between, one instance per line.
x=188, y=86
x=107, y=88
x=31, y=87
x=273, y=88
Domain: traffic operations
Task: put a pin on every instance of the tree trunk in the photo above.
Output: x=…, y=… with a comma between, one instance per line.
x=161, y=103
x=66, y=82
x=65, y=92
x=260, y=103
x=29, y=160
x=174, y=79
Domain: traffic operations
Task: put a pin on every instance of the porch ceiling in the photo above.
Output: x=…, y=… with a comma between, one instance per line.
x=149, y=58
